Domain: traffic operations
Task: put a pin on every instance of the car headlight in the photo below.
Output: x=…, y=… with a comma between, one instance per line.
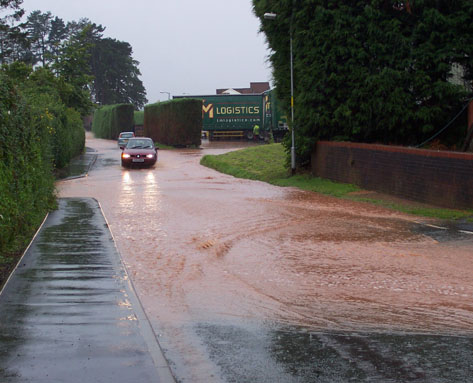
x=125, y=155
x=150, y=156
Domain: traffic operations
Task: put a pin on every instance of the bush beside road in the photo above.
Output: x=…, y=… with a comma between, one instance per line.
x=40, y=131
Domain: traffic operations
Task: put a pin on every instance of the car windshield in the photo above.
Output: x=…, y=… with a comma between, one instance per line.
x=126, y=135
x=140, y=144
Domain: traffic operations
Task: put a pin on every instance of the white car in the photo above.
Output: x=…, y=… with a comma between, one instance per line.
x=124, y=137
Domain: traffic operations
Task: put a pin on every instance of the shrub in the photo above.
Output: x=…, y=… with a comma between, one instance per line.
x=110, y=120
x=26, y=178
x=65, y=136
x=37, y=133
x=177, y=122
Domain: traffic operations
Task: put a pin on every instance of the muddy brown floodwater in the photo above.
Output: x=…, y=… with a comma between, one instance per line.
x=202, y=246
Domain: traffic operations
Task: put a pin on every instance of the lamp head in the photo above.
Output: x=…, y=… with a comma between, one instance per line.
x=270, y=16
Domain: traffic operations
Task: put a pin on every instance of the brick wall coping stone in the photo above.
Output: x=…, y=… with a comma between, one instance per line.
x=400, y=149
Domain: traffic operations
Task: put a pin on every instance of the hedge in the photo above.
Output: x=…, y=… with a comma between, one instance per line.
x=139, y=118
x=110, y=120
x=26, y=180
x=65, y=138
x=176, y=122
x=38, y=134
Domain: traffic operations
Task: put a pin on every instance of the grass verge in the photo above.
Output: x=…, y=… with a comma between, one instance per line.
x=430, y=212
x=268, y=163
x=162, y=146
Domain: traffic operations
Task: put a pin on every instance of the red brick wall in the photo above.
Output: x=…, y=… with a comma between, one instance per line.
x=439, y=178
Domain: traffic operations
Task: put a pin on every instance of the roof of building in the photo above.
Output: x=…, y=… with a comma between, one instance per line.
x=255, y=88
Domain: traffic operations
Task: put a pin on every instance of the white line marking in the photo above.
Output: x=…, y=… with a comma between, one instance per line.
x=436, y=227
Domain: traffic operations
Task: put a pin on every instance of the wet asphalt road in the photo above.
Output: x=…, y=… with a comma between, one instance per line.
x=288, y=354
x=69, y=313
x=216, y=326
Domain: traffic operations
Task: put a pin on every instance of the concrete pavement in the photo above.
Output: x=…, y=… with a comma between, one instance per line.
x=69, y=312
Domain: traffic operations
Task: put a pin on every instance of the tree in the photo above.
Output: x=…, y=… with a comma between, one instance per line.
x=11, y=39
x=38, y=27
x=370, y=71
x=95, y=32
x=14, y=45
x=116, y=74
x=56, y=38
x=15, y=6
x=79, y=54
x=109, y=62
x=72, y=66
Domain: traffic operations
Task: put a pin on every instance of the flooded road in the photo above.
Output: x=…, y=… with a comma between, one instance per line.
x=244, y=281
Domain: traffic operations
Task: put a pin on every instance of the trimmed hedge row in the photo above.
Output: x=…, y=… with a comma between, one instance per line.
x=139, y=117
x=38, y=133
x=110, y=120
x=176, y=122
x=68, y=139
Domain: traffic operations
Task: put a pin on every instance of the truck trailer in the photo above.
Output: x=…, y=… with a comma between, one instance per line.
x=235, y=116
x=274, y=119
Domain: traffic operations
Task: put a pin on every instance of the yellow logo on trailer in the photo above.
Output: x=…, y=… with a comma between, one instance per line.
x=208, y=109
x=267, y=104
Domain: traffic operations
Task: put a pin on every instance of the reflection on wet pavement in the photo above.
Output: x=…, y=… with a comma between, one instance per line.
x=203, y=247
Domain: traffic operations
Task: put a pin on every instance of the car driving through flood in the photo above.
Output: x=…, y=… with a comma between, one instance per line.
x=139, y=151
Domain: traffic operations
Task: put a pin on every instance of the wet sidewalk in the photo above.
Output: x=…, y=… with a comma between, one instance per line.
x=69, y=313
x=79, y=166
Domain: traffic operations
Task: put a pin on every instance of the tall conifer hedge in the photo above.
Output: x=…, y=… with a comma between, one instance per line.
x=110, y=120
x=139, y=118
x=176, y=122
x=371, y=71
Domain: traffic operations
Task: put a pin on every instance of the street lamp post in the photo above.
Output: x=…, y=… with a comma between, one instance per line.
x=168, y=93
x=272, y=16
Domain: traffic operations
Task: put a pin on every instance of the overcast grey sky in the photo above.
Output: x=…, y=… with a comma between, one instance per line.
x=183, y=46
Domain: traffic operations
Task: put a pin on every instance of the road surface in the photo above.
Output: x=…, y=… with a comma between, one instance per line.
x=248, y=282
